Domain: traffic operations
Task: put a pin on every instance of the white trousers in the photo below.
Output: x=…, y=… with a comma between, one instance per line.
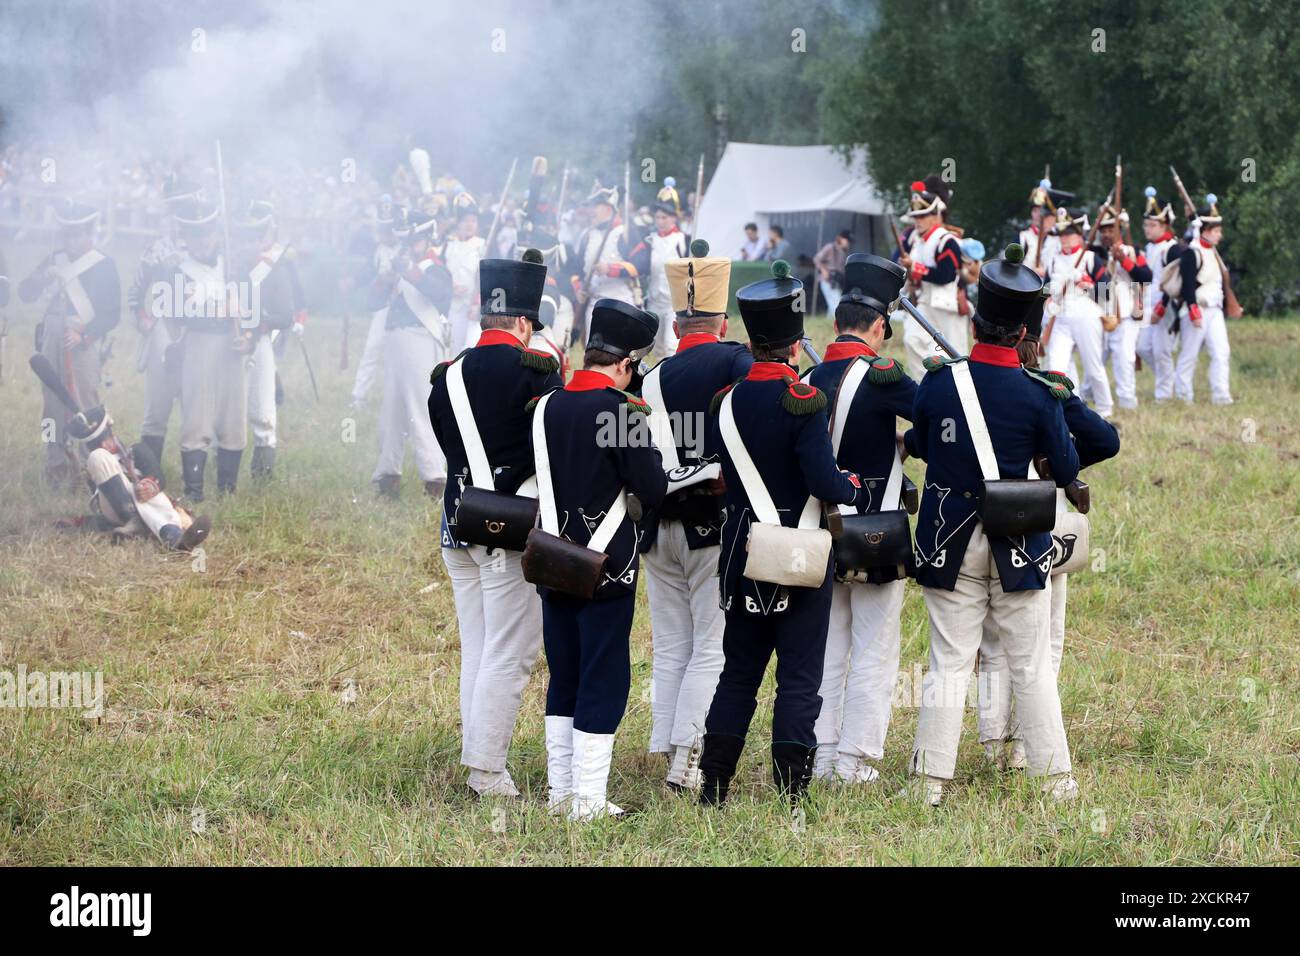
x=665, y=338
x=918, y=344
x=162, y=384
x=1164, y=346
x=410, y=353
x=500, y=618
x=686, y=626
x=831, y=295
x=1082, y=332
x=1212, y=334
x=861, y=668
x=261, y=392
x=1022, y=620
x=154, y=514
x=1122, y=344
x=996, y=721
x=214, y=393
x=372, y=357
x=464, y=327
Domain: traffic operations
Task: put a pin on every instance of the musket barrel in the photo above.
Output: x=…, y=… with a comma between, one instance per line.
x=929, y=328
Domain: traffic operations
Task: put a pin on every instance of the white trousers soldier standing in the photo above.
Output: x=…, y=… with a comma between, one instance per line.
x=79, y=370
x=500, y=617
x=162, y=381
x=1022, y=620
x=1212, y=334
x=261, y=393
x=214, y=393
x=1164, y=345
x=410, y=353
x=858, y=678
x=1082, y=330
x=372, y=357
x=1122, y=343
x=996, y=720
x=686, y=631
x=919, y=345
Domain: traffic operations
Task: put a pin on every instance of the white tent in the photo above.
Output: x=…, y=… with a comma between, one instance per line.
x=755, y=182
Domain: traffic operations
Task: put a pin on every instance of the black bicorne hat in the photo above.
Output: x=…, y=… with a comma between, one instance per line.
x=1008, y=290
x=773, y=309
x=621, y=329
x=90, y=425
x=507, y=287
x=72, y=214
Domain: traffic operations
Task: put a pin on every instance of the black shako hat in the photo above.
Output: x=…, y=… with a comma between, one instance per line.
x=1034, y=317
x=1008, y=290
x=873, y=282
x=507, y=287
x=772, y=309
x=621, y=329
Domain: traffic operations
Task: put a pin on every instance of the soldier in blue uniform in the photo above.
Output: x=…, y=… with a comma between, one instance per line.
x=781, y=424
x=862, y=644
x=682, y=562
x=592, y=447
x=499, y=615
x=1095, y=439
x=969, y=577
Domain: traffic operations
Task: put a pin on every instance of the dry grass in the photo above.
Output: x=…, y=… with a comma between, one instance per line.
x=228, y=687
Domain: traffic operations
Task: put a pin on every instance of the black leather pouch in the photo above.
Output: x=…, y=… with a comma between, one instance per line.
x=559, y=564
x=495, y=519
x=1012, y=507
x=872, y=542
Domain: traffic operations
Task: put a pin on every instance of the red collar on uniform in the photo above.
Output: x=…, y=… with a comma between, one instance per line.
x=994, y=355
x=1204, y=243
x=771, y=372
x=930, y=232
x=497, y=337
x=842, y=350
x=588, y=380
x=693, y=339
x=670, y=231
x=1167, y=235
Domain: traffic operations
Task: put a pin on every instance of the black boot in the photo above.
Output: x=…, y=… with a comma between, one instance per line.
x=193, y=464
x=263, y=461
x=718, y=765
x=792, y=768
x=389, y=486
x=155, y=444
x=228, y=469
x=118, y=497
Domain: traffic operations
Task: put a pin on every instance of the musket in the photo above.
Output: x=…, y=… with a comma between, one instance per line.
x=898, y=241
x=559, y=202
x=1231, y=307
x=240, y=343
x=501, y=206
x=810, y=350
x=699, y=194
x=1076, y=491
x=311, y=374
x=627, y=204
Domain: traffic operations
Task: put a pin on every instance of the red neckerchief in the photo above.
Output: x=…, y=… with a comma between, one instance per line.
x=842, y=350
x=694, y=339
x=588, y=380
x=771, y=372
x=497, y=337
x=1204, y=243
x=994, y=355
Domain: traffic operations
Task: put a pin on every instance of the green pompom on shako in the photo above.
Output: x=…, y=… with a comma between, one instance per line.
x=803, y=399
x=699, y=248
x=884, y=371
x=1014, y=253
x=781, y=269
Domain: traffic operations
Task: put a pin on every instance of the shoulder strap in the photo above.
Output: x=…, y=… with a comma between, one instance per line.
x=480, y=469
x=661, y=424
x=979, y=431
x=751, y=480
x=604, y=532
x=847, y=391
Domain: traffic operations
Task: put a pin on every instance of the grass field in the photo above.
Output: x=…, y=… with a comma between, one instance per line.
x=293, y=698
